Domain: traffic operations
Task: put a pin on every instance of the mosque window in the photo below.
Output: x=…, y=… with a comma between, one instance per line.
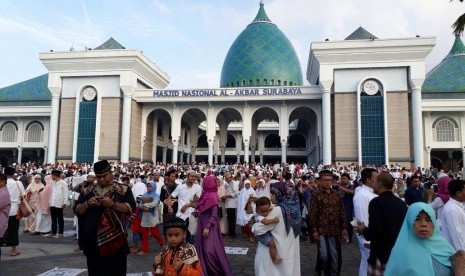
x=279, y=82
x=290, y=83
x=232, y=84
x=265, y=82
x=372, y=121
x=243, y=82
x=272, y=82
x=446, y=131
x=285, y=83
x=9, y=132
x=34, y=132
x=237, y=82
x=250, y=82
x=258, y=82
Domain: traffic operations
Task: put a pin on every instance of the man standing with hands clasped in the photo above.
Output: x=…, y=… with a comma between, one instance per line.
x=328, y=224
x=58, y=201
x=105, y=196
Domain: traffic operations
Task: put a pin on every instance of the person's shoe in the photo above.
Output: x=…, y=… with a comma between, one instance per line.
x=57, y=236
x=142, y=253
x=34, y=233
x=77, y=249
x=48, y=235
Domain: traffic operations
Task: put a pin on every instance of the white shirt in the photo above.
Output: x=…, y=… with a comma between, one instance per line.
x=15, y=194
x=453, y=223
x=231, y=189
x=185, y=194
x=139, y=189
x=59, y=196
x=362, y=199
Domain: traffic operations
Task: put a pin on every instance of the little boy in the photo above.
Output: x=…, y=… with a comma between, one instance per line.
x=177, y=257
x=263, y=208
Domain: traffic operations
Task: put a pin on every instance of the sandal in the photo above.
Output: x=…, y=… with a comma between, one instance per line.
x=15, y=254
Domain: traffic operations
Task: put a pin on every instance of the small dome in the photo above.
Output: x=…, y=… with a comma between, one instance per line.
x=261, y=56
x=448, y=75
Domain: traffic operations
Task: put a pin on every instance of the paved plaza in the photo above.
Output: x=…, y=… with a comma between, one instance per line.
x=41, y=254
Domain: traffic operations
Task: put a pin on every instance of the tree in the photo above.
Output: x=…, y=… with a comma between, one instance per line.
x=459, y=24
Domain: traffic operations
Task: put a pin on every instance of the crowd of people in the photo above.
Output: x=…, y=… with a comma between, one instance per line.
x=392, y=212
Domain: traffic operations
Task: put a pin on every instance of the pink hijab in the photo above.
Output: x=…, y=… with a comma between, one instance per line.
x=443, y=191
x=209, y=195
x=43, y=202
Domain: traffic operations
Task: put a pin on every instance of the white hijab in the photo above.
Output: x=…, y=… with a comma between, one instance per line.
x=242, y=217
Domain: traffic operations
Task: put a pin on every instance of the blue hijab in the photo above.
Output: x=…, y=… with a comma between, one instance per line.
x=288, y=199
x=412, y=255
x=153, y=194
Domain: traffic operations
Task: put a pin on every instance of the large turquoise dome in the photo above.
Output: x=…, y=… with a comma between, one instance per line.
x=261, y=56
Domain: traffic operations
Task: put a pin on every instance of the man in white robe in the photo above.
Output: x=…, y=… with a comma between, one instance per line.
x=362, y=199
x=453, y=215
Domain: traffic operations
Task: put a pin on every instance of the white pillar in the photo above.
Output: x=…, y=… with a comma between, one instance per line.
x=261, y=158
x=193, y=149
x=326, y=126
x=216, y=158
x=174, y=156
x=246, y=151
x=283, y=151
x=53, y=134
x=463, y=160
x=238, y=159
x=223, y=154
x=428, y=153
x=126, y=128
x=165, y=153
x=188, y=158
x=210, y=151
x=20, y=154
x=45, y=154
x=252, y=154
x=417, y=127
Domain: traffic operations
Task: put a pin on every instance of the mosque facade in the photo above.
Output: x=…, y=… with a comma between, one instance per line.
x=365, y=100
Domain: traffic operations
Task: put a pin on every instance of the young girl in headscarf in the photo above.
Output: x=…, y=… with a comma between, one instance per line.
x=33, y=194
x=420, y=249
x=209, y=243
x=246, y=209
x=149, y=222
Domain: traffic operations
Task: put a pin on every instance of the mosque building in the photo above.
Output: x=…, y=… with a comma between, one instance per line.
x=365, y=100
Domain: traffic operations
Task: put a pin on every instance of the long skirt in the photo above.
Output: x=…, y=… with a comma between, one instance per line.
x=30, y=223
x=43, y=222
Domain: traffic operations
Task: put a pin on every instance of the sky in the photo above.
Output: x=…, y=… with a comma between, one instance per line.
x=189, y=39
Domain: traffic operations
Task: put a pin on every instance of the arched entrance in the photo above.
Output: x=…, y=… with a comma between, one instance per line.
x=303, y=136
x=265, y=122
x=156, y=142
x=229, y=122
x=193, y=123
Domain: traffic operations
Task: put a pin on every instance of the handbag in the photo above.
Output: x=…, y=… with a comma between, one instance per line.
x=111, y=236
x=24, y=209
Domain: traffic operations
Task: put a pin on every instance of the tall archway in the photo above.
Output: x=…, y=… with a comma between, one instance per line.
x=265, y=121
x=156, y=140
x=303, y=135
x=194, y=121
x=229, y=121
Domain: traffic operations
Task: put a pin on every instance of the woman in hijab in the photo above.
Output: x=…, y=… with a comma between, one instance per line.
x=246, y=209
x=442, y=196
x=43, y=216
x=221, y=208
x=285, y=233
x=420, y=249
x=209, y=244
x=32, y=192
x=5, y=205
x=150, y=222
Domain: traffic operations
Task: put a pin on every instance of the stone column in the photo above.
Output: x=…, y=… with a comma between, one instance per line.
x=20, y=154
x=210, y=151
x=193, y=149
x=165, y=153
x=223, y=154
x=45, y=154
x=428, y=153
x=53, y=134
x=326, y=126
x=283, y=150
x=174, y=157
x=246, y=150
x=463, y=161
x=417, y=126
x=126, y=127
x=252, y=153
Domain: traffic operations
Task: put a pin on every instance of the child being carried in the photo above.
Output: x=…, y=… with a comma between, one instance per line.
x=263, y=208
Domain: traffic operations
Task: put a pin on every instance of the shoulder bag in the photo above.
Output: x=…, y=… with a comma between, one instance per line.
x=24, y=209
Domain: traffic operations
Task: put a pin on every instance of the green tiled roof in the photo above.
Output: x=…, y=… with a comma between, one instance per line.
x=110, y=44
x=35, y=89
x=261, y=52
x=359, y=34
x=448, y=75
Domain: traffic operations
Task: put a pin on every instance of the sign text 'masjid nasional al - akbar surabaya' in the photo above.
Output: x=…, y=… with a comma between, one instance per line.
x=227, y=92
